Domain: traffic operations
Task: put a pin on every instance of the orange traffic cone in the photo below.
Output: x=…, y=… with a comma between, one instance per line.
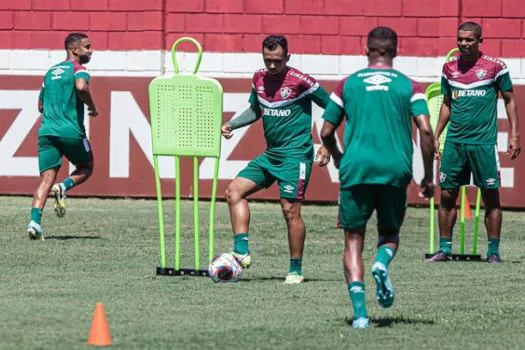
x=468, y=212
x=99, y=334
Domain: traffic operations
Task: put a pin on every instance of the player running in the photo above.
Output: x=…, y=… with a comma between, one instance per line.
x=281, y=96
x=470, y=85
x=61, y=101
x=375, y=168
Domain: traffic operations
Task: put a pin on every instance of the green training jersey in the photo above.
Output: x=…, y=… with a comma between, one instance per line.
x=379, y=104
x=473, y=89
x=286, y=105
x=63, y=113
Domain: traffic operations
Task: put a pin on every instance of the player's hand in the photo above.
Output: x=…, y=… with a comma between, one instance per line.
x=514, y=147
x=322, y=157
x=437, y=153
x=92, y=112
x=226, y=131
x=427, y=188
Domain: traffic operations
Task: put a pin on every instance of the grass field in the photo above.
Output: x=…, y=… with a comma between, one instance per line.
x=107, y=250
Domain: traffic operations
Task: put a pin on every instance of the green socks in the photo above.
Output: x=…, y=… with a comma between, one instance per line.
x=295, y=266
x=445, y=245
x=356, y=290
x=493, y=246
x=68, y=183
x=36, y=215
x=385, y=254
x=240, y=243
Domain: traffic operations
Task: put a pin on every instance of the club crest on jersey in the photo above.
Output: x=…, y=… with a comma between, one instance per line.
x=442, y=177
x=481, y=73
x=285, y=92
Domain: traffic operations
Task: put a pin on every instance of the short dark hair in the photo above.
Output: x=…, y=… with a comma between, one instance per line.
x=472, y=27
x=72, y=38
x=272, y=41
x=383, y=41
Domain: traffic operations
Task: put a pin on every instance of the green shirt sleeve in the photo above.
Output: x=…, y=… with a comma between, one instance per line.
x=320, y=97
x=254, y=101
x=82, y=74
x=503, y=80
x=418, y=102
x=333, y=113
x=445, y=86
x=41, y=94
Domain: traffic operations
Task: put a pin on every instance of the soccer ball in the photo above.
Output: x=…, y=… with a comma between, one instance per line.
x=225, y=268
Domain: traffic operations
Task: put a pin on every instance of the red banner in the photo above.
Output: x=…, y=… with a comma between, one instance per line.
x=121, y=141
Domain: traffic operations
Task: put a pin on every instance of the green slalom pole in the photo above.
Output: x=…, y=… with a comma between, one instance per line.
x=177, y=212
x=476, y=224
x=159, y=211
x=462, y=222
x=431, y=230
x=212, y=209
x=196, y=211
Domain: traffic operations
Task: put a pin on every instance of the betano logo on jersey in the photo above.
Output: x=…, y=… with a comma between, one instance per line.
x=276, y=112
x=467, y=93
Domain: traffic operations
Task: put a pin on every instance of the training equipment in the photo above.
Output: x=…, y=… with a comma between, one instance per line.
x=435, y=100
x=186, y=118
x=225, y=268
x=99, y=334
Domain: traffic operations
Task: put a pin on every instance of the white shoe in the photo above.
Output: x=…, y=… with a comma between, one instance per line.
x=34, y=231
x=294, y=278
x=384, y=292
x=244, y=259
x=60, y=200
x=360, y=322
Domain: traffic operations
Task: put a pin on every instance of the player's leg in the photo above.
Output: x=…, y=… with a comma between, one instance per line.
x=356, y=205
x=391, y=203
x=486, y=172
x=454, y=172
x=293, y=177
x=296, y=236
x=250, y=180
x=49, y=161
x=78, y=152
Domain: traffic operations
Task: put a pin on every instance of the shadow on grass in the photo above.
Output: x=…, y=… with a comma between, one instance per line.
x=282, y=278
x=65, y=238
x=392, y=321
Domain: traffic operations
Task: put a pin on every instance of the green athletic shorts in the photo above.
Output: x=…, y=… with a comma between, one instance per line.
x=292, y=175
x=357, y=203
x=459, y=160
x=51, y=149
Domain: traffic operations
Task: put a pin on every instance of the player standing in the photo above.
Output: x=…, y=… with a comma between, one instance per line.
x=281, y=96
x=61, y=101
x=470, y=85
x=375, y=168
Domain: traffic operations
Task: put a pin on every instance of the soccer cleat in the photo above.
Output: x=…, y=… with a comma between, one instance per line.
x=244, y=259
x=294, y=278
x=360, y=322
x=384, y=292
x=493, y=259
x=60, y=200
x=34, y=231
x=439, y=256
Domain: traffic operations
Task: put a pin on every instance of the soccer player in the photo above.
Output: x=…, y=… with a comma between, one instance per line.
x=61, y=101
x=281, y=96
x=375, y=169
x=470, y=84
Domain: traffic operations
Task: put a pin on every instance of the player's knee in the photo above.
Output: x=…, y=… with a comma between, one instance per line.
x=388, y=235
x=291, y=213
x=232, y=195
x=448, y=199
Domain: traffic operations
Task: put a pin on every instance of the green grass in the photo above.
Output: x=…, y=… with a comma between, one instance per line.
x=107, y=250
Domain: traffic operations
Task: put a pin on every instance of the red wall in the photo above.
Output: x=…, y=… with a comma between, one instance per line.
x=426, y=27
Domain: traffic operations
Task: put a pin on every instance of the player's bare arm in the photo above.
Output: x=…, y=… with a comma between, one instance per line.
x=330, y=143
x=427, y=149
x=514, y=147
x=84, y=94
x=444, y=117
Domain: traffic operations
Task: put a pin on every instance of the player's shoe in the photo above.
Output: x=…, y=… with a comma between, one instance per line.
x=34, y=231
x=493, y=259
x=384, y=291
x=439, y=256
x=294, y=278
x=360, y=322
x=60, y=200
x=244, y=259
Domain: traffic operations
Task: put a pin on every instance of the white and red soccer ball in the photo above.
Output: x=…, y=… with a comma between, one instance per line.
x=225, y=268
